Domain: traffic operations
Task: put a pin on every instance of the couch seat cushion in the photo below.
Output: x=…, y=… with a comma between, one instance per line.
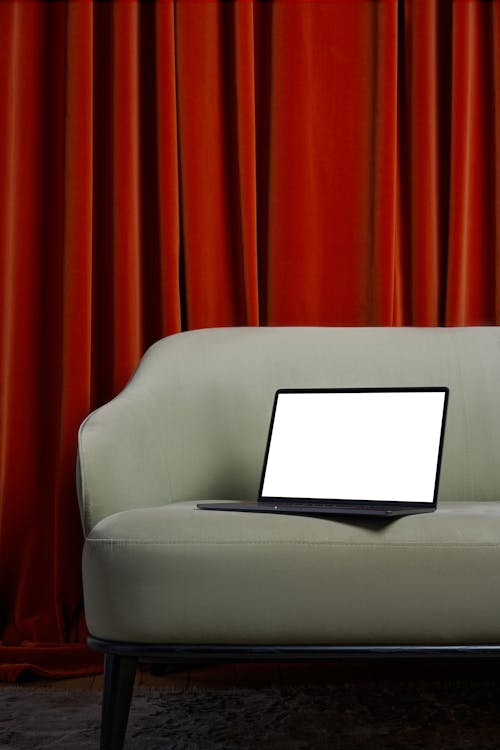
x=177, y=574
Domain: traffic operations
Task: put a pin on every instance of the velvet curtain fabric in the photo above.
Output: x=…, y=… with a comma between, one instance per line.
x=167, y=166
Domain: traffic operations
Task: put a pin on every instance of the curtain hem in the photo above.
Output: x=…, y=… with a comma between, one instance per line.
x=50, y=660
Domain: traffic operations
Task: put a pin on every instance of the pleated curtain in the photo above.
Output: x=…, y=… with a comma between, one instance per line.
x=175, y=165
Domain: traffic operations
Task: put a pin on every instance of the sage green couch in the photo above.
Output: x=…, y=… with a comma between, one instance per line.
x=163, y=579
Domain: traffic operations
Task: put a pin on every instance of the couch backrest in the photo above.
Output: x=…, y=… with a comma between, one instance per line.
x=192, y=422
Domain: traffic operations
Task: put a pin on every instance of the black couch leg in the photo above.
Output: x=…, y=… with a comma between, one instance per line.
x=119, y=674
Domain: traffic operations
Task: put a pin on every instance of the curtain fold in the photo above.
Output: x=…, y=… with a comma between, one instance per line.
x=216, y=132
x=473, y=244
x=161, y=171
x=424, y=160
x=167, y=166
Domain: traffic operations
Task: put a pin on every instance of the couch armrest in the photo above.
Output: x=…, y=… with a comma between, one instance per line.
x=121, y=460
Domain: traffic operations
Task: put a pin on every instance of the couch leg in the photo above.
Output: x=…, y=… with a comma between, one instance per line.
x=119, y=674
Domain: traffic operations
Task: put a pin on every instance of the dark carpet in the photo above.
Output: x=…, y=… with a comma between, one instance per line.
x=392, y=716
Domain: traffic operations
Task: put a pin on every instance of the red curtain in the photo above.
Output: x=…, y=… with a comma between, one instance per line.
x=166, y=166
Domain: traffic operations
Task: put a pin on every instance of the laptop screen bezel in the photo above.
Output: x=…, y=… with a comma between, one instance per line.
x=374, y=503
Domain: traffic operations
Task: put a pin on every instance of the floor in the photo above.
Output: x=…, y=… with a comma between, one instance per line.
x=274, y=674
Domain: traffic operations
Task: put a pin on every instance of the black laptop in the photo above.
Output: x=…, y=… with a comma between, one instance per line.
x=351, y=451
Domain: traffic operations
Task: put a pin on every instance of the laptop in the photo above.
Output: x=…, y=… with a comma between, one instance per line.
x=351, y=451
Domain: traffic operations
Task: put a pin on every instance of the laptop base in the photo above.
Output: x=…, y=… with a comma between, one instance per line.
x=312, y=509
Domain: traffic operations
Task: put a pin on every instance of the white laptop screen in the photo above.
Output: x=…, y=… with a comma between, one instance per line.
x=372, y=445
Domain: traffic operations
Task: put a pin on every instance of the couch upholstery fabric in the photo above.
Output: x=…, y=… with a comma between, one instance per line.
x=191, y=425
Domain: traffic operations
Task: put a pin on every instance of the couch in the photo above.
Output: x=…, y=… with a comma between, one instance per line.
x=164, y=580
